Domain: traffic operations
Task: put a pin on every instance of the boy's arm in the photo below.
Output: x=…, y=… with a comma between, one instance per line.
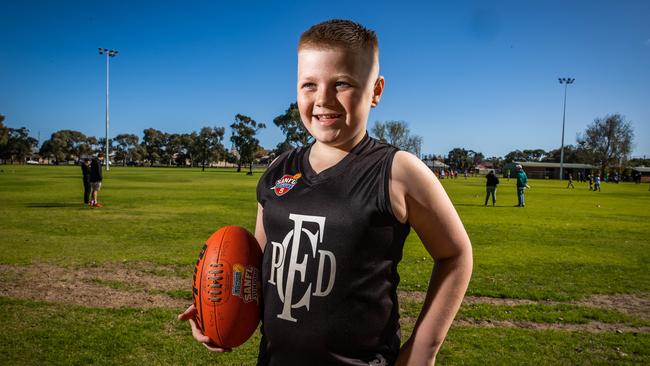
x=419, y=198
x=260, y=234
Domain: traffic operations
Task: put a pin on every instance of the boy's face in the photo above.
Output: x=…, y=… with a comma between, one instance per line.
x=336, y=89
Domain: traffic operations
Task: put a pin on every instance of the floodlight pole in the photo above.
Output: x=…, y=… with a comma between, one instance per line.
x=566, y=82
x=108, y=53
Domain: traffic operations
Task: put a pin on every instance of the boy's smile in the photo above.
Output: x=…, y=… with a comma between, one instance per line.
x=336, y=88
x=327, y=119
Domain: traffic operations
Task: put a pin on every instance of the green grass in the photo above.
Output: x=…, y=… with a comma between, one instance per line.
x=565, y=245
x=511, y=346
x=536, y=313
x=42, y=333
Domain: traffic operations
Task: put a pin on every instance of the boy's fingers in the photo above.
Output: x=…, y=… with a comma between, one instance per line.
x=214, y=348
x=188, y=314
x=197, y=334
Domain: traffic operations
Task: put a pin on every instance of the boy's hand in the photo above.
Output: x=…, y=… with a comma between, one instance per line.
x=409, y=356
x=189, y=315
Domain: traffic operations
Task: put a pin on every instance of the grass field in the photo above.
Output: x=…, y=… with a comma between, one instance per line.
x=563, y=281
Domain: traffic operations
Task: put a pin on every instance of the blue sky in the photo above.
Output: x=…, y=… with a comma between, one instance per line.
x=474, y=74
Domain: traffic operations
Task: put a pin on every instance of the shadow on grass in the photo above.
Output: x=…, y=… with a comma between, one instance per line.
x=52, y=204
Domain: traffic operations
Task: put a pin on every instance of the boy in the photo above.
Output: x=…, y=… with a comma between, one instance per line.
x=85, y=171
x=491, y=182
x=332, y=239
x=96, y=178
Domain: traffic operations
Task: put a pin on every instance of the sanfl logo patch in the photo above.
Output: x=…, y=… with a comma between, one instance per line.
x=284, y=184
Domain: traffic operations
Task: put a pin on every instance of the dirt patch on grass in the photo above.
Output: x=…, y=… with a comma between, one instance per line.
x=105, y=286
x=591, y=327
x=629, y=304
x=633, y=305
x=147, y=285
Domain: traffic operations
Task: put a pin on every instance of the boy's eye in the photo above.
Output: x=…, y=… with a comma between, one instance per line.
x=309, y=86
x=342, y=85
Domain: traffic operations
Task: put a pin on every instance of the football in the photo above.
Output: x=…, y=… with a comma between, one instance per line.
x=227, y=286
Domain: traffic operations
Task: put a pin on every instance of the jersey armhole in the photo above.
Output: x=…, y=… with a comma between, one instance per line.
x=384, y=193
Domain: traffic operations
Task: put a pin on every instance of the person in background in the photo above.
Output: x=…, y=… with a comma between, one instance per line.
x=491, y=187
x=570, y=181
x=96, y=178
x=522, y=184
x=597, y=183
x=85, y=170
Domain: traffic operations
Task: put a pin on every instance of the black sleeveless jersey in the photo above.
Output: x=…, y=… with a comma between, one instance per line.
x=329, y=272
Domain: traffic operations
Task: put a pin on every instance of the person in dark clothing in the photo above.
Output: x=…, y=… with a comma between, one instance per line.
x=349, y=201
x=570, y=185
x=491, y=187
x=96, y=178
x=85, y=170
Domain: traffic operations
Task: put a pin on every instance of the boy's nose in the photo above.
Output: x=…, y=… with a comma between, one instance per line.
x=325, y=97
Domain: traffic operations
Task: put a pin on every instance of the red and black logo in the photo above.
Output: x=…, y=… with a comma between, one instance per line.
x=284, y=184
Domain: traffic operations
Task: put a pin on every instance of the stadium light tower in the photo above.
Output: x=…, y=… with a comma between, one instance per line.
x=109, y=54
x=566, y=82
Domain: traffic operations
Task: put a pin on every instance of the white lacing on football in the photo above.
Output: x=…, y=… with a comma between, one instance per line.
x=215, y=277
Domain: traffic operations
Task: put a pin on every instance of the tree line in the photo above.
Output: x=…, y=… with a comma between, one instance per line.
x=606, y=143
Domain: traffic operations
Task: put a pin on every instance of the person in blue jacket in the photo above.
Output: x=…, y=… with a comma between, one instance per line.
x=522, y=184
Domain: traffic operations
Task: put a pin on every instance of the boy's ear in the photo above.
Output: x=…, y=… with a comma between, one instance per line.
x=377, y=91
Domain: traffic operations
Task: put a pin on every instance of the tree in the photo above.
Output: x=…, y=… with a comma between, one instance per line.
x=190, y=147
x=608, y=141
x=152, y=142
x=18, y=146
x=459, y=158
x=290, y=123
x=4, y=131
x=496, y=161
x=639, y=162
x=243, y=137
x=75, y=143
x=534, y=154
x=516, y=155
x=526, y=155
x=53, y=149
x=100, y=146
x=208, y=145
x=126, y=146
x=173, y=148
x=572, y=154
x=281, y=148
x=398, y=134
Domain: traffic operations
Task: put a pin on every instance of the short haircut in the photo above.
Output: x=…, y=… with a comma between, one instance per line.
x=100, y=155
x=342, y=33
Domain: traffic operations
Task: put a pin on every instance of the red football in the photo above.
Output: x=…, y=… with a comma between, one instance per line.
x=227, y=286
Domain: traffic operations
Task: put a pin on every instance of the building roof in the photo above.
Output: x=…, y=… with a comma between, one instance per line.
x=543, y=164
x=435, y=164
x=641, y=169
